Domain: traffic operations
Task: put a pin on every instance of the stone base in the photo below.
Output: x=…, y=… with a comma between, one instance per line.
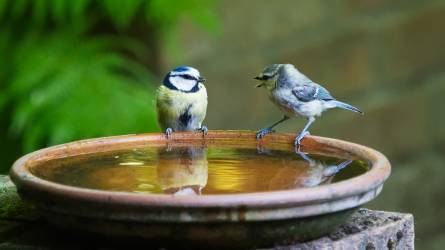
x=369, y=230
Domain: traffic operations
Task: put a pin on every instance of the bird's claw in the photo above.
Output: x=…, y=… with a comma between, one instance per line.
x=263, y=132
x=168, y=132
x=204, y=130
x=300, y=137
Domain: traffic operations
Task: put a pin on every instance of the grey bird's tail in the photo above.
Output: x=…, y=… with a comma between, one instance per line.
x=343, y=105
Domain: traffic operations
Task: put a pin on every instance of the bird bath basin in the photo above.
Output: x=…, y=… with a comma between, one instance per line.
x=225, y=190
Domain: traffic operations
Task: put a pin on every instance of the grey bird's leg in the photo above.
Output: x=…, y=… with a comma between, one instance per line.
x=262, y=132
x=304, y=132
x=168, y=132
x=203, y=129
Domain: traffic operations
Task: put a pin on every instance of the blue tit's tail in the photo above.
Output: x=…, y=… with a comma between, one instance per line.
x=343, y=105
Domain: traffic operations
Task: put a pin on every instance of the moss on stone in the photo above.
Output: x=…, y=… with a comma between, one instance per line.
x=11, y=205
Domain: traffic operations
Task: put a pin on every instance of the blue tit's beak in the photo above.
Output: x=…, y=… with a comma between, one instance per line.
x=201, y=79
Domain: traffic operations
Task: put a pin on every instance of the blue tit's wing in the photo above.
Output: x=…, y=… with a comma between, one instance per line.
x=310, y=92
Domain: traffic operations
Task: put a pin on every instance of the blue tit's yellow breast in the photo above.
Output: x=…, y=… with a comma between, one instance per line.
x=171, y=104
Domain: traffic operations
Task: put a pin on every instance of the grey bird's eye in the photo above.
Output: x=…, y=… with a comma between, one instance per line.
x=263, y=77
x=266, y=77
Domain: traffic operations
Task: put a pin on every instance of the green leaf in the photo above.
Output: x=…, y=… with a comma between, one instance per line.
x=3, y=8
x=122, y=12
x=18, y=8
x=39, y=12
x=59, y=10
x=81, y=88
x=77, y=11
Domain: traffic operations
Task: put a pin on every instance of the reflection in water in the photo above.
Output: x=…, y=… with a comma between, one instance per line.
x=319, y=172
x=182, y=171
x=197, y=170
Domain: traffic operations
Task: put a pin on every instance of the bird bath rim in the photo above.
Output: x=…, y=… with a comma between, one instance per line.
x=258, y=206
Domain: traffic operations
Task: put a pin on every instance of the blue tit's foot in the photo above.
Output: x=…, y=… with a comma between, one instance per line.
x=263, y=132
x=204, y=130
x=300, y=137
x=168, y=132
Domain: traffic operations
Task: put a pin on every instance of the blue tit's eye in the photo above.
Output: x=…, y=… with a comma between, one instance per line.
x=188, y=77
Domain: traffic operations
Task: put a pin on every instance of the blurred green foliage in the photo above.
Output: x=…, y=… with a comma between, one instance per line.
x=78, y=69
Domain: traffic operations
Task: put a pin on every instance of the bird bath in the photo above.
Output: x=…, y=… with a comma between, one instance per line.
x=225, y=190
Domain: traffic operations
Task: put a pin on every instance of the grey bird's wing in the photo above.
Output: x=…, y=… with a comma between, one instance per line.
x=310, y=92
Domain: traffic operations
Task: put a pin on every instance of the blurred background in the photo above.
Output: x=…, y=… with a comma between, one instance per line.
x=78, y=69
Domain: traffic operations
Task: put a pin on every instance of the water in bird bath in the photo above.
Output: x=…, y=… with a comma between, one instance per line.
x=195, y=170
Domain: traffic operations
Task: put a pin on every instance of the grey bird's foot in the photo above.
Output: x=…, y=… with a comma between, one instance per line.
x=204, y=130
x=300, y=137
x=263, y=132
x=168, y=132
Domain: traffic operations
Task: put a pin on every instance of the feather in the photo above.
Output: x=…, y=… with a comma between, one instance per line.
x=307, y=93
x=346, y=106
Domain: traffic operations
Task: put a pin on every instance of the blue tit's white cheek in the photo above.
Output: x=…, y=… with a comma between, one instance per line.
x=182, y=84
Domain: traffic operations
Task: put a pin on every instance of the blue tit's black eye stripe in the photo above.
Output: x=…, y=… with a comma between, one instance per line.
x=189, y=77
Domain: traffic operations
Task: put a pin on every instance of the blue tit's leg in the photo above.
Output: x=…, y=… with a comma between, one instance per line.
x=332, y=170
x=168, y=132
x=204, y=129
x=263, y=132
x=304, y=132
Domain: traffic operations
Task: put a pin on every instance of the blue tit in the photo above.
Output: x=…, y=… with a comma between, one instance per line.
x=296, y=95
x=181, y=101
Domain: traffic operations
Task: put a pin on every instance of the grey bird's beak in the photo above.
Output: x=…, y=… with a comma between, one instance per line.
x=201, y=79
x=259, y=78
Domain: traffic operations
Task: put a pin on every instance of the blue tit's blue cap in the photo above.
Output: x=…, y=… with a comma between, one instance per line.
x=181, y=69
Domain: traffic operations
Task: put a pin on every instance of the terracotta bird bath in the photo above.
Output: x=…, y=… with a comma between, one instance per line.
x=187, y=206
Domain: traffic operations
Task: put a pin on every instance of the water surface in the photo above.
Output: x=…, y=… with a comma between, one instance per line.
x=196, y=170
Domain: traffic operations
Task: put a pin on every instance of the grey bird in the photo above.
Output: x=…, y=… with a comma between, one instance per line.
x=296, y=95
